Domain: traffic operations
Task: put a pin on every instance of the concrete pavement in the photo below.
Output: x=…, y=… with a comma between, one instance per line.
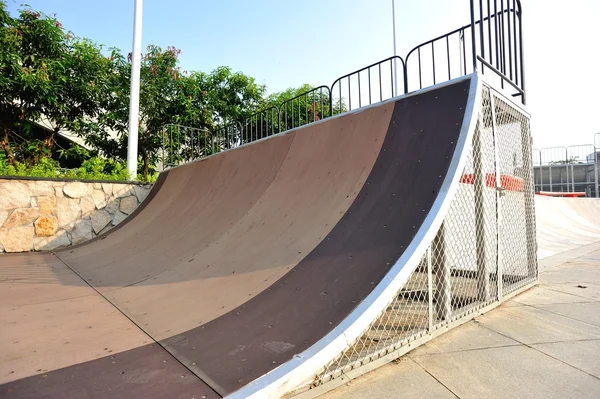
x=544, y=343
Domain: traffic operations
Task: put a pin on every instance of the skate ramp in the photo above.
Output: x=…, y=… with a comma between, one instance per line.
x=566, y=223
x=245, y=270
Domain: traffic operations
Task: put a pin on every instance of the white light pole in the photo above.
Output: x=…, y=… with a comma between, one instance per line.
x=134, y=96
x=395, y=53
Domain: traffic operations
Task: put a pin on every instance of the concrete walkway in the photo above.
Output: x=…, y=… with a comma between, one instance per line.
x=544, y=343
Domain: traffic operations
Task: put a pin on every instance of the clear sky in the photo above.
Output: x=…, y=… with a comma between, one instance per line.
x=286, y=43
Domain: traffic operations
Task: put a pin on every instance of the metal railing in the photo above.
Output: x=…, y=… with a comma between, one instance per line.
x=181, y=144
x=494, y=42
x=305, y=108
x=376, y=85
x=262, y=124
x=501, y=44
x=568, y=169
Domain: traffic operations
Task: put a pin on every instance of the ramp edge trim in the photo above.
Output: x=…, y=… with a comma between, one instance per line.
x=302, y=367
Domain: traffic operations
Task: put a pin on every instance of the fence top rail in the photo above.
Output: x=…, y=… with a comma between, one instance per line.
x=455, y=31
x=304, y=94
x=175, y=125
x=397, y=57
x=271, y=116
x=262, y=112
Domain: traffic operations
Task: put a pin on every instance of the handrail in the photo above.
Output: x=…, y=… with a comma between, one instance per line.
x=493, y=55
x=283, y=108
x=367, y=67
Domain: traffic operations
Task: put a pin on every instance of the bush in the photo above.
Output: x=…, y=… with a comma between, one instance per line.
x=94, y=168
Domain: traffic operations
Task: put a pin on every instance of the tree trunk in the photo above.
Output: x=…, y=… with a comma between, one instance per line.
x=146, y=166
x=49, y=140
x=10, y=158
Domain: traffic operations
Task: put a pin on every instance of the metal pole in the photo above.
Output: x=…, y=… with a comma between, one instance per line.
x=395, y=53
x=134, y=99
x=473, y=44
x=443, y=278
x=572, y=178
x=596, y=167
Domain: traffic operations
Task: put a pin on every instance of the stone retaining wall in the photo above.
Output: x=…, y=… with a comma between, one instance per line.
x=44, y=215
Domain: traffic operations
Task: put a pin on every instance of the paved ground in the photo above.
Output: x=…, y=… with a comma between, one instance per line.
x=544, y=343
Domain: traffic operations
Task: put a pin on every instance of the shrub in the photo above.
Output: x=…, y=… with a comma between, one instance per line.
x=94, y=168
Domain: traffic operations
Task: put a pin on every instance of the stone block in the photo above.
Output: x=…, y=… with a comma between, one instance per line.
x=47, y=205
x=128, y=204
x=68, y=212
x=87, y=206
x=141, y=192
x=112, y=205
x=77, y=189
x=48, y=243
x=17, y=239
x=100, y=218
x=108, y=188
x=14, y=194
x=82, y=232
x=40, y=187
x=3, y=216
x=99, y=199
x=46, y=226
x=118, y=218
x=22, y=216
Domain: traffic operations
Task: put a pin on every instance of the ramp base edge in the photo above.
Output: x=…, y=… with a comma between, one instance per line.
x=306, y=392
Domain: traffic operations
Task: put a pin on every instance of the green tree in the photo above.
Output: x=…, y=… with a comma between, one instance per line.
x=171, y=97
x=79, y=92
x=47, y=75
x=32, y=48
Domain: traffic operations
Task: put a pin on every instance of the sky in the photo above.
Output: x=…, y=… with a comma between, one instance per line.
x=285, y=44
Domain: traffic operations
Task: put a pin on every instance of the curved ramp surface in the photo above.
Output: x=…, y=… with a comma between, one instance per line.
x=243, y=260
x=566, y=223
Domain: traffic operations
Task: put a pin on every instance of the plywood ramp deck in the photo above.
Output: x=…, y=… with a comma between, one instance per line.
x=238, y=261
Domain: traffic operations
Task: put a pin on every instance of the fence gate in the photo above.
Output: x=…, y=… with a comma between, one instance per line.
x=516, y=248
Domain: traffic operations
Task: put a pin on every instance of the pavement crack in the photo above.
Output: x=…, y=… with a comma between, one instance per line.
x=435, y=378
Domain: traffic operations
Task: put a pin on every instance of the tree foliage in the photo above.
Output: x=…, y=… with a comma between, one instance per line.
x=50, y=76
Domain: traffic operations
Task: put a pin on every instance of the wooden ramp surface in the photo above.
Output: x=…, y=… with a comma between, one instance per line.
x=236, y=262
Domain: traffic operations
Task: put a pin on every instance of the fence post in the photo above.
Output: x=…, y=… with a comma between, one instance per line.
x=596, y=167
x=473, y=44
x=430, y=289
x=443, y=281
x=479, y=184
x=524, y=96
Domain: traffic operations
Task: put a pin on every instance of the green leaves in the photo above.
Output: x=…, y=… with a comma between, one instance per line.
x=74, y=84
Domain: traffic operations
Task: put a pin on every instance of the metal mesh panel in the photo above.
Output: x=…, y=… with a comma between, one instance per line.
x=517, y=242
x=465, y=246
x=484, y=249
x=405, y=319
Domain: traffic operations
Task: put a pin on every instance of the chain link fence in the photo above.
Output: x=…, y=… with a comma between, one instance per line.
x=484, y=250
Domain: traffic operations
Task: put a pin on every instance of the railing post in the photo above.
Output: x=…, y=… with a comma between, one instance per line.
x=596, y=167
x=473, y=44
x=405, y=71
x=429, y=289
x=443, y=280
x=498, y=198
x=479, y=187
x=521, y=53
